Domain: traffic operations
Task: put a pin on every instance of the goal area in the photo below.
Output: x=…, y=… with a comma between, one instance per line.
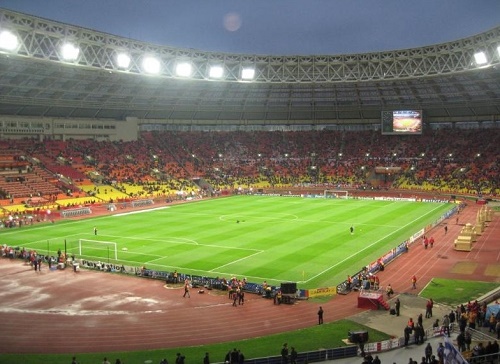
x=336, y=194
x=97, y=249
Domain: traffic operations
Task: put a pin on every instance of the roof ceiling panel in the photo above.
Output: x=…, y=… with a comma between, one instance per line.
x=61, y=90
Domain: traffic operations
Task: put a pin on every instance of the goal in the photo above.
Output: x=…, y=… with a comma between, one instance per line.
x=336, y=194
x=97, y=249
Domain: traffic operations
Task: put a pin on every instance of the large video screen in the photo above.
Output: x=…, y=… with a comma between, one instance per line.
x=399, y=122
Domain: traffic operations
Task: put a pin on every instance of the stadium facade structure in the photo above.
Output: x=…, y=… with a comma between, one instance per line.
x=41, y=95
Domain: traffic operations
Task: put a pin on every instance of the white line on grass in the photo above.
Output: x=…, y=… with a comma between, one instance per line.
x=166, y=240
x=236, y=261
x=368, y=246
x=51, y=240
x=269, y=219
x=140, y=211
x=145, y=254
x=151, y=261
x=180, y=241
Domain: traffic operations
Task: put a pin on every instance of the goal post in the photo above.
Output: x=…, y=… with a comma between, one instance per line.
x=97, y=249
x=336, y=194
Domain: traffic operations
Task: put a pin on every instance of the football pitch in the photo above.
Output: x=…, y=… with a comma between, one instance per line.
x=272, y=238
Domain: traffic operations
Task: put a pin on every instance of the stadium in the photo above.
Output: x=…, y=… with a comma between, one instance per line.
x=145, y=160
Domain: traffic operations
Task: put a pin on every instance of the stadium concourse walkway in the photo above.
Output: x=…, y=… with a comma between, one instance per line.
x=66, y=312
x=411, y=306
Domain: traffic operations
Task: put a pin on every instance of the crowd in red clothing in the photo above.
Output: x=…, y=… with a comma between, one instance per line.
x=446, y=160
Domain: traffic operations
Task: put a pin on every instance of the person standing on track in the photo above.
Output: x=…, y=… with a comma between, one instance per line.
x=320, y=315
x=186, y=289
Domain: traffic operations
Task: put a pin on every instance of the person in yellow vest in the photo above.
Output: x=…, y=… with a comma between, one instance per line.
x=279, y=297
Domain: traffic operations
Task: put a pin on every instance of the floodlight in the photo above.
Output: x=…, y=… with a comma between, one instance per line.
x=151, y=65
x=247, y=73
x=183, y=69
x=480, y=58
x=8, y=41
x=123, y=60
x=69, y=52
x=216, y=72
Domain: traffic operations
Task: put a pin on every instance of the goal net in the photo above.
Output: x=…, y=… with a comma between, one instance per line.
x=97, y=249
x=336, y=194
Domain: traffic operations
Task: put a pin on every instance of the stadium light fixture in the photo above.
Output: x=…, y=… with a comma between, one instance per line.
x=247, y=74
x=216, y=72
x=183, y=69
x=151, y=65
x=8, y=41
x=123, y=60
x=69, y=52
x=480, y=58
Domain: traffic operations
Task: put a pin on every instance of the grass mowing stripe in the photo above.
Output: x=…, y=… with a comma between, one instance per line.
x=362, y=250
x=258, y=237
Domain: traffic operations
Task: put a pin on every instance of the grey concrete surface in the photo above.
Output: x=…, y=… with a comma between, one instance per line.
x=381, y=320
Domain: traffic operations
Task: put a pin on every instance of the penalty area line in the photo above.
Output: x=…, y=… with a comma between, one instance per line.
x=140, y=211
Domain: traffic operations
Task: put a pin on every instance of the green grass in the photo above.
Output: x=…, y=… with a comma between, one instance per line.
x=455, y=292
x=278, y=239
x=325, y=336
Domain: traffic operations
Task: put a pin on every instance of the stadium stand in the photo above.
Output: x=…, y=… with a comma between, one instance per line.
x=314, y=123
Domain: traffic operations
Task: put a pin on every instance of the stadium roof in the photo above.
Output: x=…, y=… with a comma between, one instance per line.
x=442, y=80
